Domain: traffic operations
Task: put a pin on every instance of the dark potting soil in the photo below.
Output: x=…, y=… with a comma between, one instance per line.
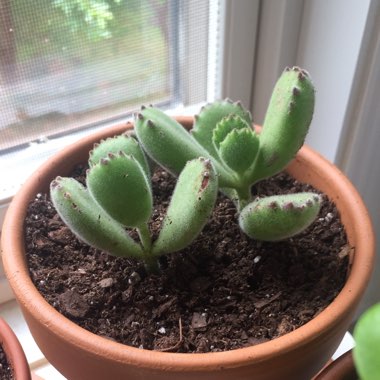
x=224, y=292
x=6, y=372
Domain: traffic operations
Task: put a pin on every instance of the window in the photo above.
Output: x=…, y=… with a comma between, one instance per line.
x=70, y=66
x=67, y=64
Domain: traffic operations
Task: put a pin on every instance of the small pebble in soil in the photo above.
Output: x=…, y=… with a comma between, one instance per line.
x=134, y=278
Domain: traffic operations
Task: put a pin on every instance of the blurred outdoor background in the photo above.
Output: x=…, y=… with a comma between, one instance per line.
x=64, y=63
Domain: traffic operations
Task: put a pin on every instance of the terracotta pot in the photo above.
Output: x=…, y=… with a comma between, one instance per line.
x=79, y=354
x=14, y=352
x=342, y=368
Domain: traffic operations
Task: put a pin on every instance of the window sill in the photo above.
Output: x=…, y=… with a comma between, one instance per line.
x=11, y=312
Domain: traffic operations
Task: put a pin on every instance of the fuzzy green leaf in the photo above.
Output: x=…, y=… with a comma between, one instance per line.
x=239, y=149
x=169, y=144
x=119, y=185
x=210, y=116
x=165, y=140
x=88, y=221
x=367, y=348
x=190, y=207
x=279, y=217
x=121, y=143
x=286, y=123
x=225, y=126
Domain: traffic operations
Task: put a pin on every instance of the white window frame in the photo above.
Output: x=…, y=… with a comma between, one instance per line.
x=240, y=30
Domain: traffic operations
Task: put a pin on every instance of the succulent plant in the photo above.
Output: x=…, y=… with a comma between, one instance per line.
x=118, y=195
x=222, y=151
x=223, y=133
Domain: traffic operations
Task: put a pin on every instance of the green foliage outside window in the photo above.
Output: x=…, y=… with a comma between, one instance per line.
x=90, y=29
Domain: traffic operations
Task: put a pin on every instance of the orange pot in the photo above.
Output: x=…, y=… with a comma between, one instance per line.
x=342, y=368
x=14, y=352
x=79, y=354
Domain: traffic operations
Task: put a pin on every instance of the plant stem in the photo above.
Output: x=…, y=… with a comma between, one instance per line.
x=144, y=235
x=151, y=264
x=244, y=196
x=150, y=261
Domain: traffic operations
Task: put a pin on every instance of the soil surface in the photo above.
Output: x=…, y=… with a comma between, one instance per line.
x=6, y=372
x=224, y=292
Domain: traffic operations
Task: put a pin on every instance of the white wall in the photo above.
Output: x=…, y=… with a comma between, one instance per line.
x=321, y=36
x=330, y=40
x=359, y=153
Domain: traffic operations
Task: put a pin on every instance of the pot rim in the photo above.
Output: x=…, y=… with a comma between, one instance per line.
x=29, y=297
x=14, y=352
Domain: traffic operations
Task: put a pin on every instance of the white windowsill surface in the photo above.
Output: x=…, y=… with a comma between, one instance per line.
x=40, y=366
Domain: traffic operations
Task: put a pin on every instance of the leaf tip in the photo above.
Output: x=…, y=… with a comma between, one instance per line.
x=296, y=91
x=150, y=124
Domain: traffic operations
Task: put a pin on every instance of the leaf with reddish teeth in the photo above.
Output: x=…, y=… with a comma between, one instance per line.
x=190, y=207
x=239, y=149
x=280, y=216
x=225, y=126
x=165, y=140
x=114, y=145
x=170, y=145
x=210, y=116
x=286, y=122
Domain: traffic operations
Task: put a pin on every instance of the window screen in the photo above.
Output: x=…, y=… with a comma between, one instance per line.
x=70, y=64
